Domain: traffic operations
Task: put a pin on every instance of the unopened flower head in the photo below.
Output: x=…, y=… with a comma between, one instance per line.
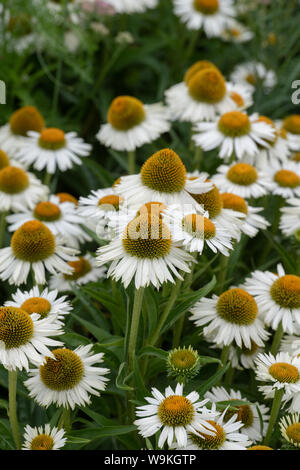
x=183, y=363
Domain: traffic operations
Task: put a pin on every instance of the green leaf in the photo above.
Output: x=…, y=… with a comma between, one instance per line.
x=152, y=351
x=208, y=360
x=186, y=302
x=122, y=378
x=101, y=335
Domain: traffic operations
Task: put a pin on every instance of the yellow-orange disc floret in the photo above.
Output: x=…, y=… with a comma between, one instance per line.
x=52, y=139
x=237, y=306
x=287, y=178
x=209, y=442
x=26, y=119
x=4, y=160
x=147, y=236
x=164, y=172
x=64, y=372
x=285, y=291
x=284, y=372
x=207, y=85
x=211, y=201
x=47, y=211
x=110, y=202
x=242, y=174
x=292, y=124
x=197, y=67
x=234, y=124
x=199, y=226
x=13, y=180
x=38, y=305
x=66, y=197
x=176, y=410
x=207, y=7
x=42, y=442
x=81, y=267
x=33, y=242
x=16, y=327
x=125, y=112
x=234, y=202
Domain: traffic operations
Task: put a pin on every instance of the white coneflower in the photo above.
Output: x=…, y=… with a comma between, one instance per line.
x=285, y=177
x=290, y=429
x=14, y=133
x=19, y=189
x=60, y=217
x=195, y=231
x=232, y=316
x=174, y=415
x=278, y=149
x=241, y=95
x=290, y=217
x=247, y=414
x=242, y=179
x=236, y=32
x=291, y=344
x=211, y=15
x=212, y=202
x=98, y=208
x=25, y=338
x=162, y=178
x=132, y=6
x=33, y=246
x=234, y=133
x=132, y=124
x=68, y=378
x=146, y=253
x=83, y=270
x=280, y=372
x=43, y=438
x=252, y=222
x=253, y=74
x=244, y=358
x=53, y=149
x=202, y=96
x=227, y=435
x=278, y=298
x=45, y=303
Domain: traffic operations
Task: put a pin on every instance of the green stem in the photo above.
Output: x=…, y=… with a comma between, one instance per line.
x=47, y=179
x=2, y=227
x=135, y=320
x=12, y=407
x=198, y=158
x=274, y=414
x=222, y=273
x=165, y=314
x=177, y=332
x=224, y=356
x=229, y=376
x=276, y=340
x=65, y=420
x=131, y=162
